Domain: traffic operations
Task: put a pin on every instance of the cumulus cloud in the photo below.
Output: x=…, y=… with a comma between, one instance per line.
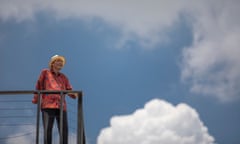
x=210, y=65
x=158, y=122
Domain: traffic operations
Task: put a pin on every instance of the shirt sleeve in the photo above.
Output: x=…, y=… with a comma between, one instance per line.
x=69, y=87
x=39, y=86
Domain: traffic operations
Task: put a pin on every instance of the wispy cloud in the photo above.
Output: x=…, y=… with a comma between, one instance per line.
x=146, y=21
x=21, y=135
x=211, y=65
x=158, y=122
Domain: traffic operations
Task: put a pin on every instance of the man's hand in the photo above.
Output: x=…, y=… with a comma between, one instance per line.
x=73, y=95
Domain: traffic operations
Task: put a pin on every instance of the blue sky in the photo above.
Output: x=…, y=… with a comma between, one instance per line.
x=166, y=72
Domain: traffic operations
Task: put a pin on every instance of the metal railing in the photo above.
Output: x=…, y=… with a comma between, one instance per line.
x=80, y=122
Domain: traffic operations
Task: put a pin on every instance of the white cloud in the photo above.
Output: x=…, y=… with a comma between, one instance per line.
x=210, y=65
x=137, y=19
x=25, y=134
x=158, y=122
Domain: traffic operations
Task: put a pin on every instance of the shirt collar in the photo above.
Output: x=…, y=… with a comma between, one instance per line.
x=56, y=74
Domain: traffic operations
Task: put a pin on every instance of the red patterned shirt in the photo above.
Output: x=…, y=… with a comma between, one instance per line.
x=48, y=80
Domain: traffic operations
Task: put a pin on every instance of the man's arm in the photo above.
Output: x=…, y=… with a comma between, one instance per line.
x=39, y=86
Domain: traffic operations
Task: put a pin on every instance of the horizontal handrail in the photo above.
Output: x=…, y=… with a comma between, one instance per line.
x=40, y=91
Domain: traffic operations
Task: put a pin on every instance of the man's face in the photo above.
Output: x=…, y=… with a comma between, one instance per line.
x=58, y=64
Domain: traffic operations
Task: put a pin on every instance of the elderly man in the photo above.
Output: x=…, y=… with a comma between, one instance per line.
x=53, y=79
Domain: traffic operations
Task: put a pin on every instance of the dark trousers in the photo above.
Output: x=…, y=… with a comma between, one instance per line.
x=48, y=117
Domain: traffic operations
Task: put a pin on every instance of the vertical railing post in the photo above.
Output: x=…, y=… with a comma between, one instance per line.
x=80, y=124
x=61, y=118
x=38, y=117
